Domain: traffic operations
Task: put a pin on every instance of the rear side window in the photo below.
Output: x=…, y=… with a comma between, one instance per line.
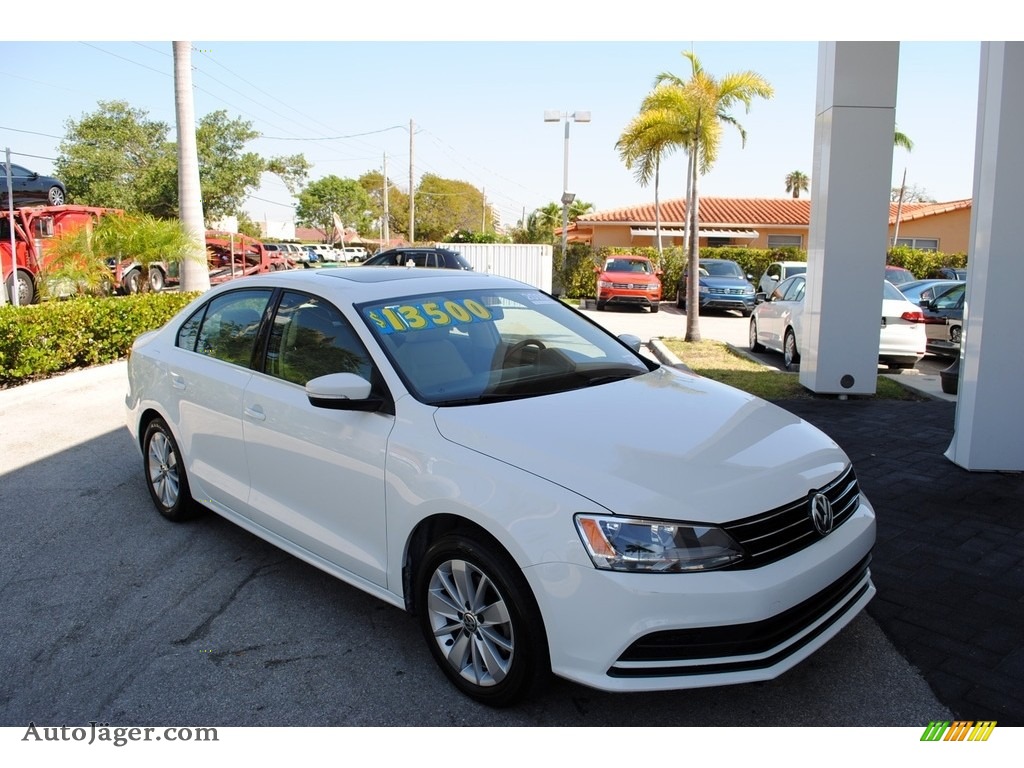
x=226, y=327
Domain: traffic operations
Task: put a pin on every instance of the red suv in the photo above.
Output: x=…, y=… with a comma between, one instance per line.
x=629, y=280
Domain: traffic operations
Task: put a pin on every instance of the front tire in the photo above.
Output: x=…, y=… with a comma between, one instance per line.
x=790, y=355
x=165, y=473
x=655, y=306
x=480, y=620
x=131, y=282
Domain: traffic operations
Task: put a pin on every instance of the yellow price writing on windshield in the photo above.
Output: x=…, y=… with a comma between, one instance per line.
x=428, y=314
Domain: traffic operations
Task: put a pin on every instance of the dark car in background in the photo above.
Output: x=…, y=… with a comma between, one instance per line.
x=436, y=258
x=30, y=188
x=723, y=285
x=926, y=290
x=944, y=321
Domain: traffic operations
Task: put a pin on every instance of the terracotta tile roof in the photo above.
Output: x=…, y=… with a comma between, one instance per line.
x=748, y=211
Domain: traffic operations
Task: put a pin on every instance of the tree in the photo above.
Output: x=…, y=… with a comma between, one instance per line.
x=117, y=157
x=444, y=206
x=704, y=102
x=653, y=133
x=797, y=182
x=911, y=194
x=902, y=140
x=332, y=196
x=398, y=202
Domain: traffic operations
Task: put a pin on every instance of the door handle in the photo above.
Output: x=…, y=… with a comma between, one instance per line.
x=255, y=412
x=177, y=380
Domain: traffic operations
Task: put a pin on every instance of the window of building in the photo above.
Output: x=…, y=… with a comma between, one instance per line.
x=920, y=243
x=785, y=241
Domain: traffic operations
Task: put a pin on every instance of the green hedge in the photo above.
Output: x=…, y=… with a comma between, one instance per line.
x=43, y=339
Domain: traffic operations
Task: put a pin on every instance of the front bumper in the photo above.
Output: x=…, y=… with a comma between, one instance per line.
x=648, y=632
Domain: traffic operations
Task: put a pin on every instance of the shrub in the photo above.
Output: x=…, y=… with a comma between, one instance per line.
x=43, y=339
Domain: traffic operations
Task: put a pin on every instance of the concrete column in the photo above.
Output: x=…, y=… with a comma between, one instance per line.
x=852, y=175
x=989, y=426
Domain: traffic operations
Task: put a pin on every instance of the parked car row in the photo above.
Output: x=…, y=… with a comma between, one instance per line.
x=777, y=323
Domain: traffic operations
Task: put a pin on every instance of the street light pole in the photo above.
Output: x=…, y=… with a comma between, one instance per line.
x=554, y=116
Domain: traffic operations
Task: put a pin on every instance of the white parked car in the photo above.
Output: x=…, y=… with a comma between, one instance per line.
x=777, y=324
x=777, y=272
x=434, y=438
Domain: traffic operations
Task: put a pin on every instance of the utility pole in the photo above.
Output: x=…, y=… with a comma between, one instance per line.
x=412, y=191
x=483, y=211
x=386, y=229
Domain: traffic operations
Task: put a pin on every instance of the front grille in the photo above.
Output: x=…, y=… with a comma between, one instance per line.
x=745, y=640
x=780, y=532
x=728, y=291
x=634, y=286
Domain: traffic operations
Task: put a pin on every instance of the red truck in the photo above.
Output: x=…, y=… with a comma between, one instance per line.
x=34, y=229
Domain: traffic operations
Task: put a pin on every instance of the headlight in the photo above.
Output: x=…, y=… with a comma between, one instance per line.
x=749, y=290
x=626, y=544
x=604, y=284
x=705, y=289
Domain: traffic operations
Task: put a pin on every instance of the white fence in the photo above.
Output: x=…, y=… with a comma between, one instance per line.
x=528, y=263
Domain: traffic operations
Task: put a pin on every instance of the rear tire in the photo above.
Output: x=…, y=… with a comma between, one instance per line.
x=156, y=279
x=753, y=343
x=131, y=282
x=55, y=196
x=165, y=474
x=481, y=621
x=790, y=355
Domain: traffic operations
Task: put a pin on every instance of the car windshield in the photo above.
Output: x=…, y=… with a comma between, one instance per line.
x=482, y=346
x=627, y=265
x=722, y=268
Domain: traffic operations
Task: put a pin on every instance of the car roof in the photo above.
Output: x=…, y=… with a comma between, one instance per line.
x=373, y=283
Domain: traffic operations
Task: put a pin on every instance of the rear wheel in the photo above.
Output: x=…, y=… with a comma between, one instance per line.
x=480, y=620
x=680, y=300
x=165, y=473
x=55, y=196
x=156, y=279
x=754, y=344
x=790, y=355
x=131, y=282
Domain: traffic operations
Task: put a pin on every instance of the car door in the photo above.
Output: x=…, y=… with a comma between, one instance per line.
x=317, y=474
x=208, y=372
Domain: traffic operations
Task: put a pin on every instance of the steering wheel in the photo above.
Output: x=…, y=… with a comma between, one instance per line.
x=519, y=346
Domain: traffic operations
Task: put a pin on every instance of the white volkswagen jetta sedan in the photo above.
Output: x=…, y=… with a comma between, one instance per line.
x=475, y=452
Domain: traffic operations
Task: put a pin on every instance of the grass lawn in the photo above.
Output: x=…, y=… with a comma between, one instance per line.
x=717, y=361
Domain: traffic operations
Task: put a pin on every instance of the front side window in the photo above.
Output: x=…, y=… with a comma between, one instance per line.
x=309, y=338
x=226, y=327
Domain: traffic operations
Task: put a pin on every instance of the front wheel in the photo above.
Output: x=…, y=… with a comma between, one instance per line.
x=480, y=620
x=655, y=306
x=165, y=473
x=680, y=300
x=22, y=282
x=790, y=355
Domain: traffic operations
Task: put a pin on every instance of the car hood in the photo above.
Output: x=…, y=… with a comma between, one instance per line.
x=664, y=444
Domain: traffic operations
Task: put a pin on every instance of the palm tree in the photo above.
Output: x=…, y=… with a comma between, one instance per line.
x=645, y=139
x=902, y=140
x=195, y=275
x=797, y=182
x=578, y=207
x=707, y=104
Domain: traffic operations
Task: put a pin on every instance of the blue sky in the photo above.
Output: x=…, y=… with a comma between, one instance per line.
x=477, y=106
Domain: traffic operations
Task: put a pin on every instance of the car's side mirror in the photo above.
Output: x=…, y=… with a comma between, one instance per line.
x=760, y=297
x=342, y=392
x=631, y=341
x=774, y=277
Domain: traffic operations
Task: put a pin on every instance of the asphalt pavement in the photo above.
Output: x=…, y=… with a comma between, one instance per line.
x=112, y=613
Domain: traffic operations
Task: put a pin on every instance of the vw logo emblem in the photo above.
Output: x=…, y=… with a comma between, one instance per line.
x=821, y=513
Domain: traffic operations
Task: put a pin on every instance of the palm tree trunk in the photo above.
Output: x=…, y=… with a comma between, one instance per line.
x=195, y=274
x=657, y=210
x=693, y=275
x=689, y=187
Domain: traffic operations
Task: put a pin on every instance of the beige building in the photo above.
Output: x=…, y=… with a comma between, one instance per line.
x=765, y=223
